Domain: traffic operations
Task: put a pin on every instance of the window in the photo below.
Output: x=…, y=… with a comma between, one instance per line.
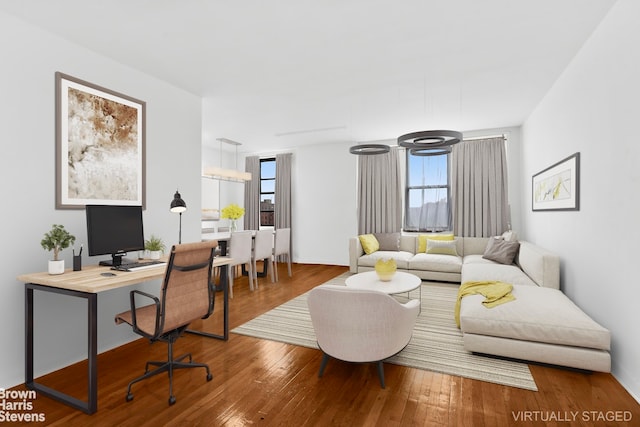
x=267, y=191
x=427, y=193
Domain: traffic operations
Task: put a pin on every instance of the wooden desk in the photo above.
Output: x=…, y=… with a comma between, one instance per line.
x=87, y=284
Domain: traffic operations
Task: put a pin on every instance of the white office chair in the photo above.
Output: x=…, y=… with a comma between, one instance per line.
x=240, y=248
x=262, y=249
x=281, y=247
x=358, y=325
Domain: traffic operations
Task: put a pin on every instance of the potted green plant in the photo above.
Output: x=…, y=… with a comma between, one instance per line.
x=56, y=240
x=155, y=246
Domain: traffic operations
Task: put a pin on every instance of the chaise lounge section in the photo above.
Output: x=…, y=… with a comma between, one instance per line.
x=542, y=324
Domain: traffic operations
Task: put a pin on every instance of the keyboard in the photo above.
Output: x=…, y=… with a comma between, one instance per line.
x=142, y=265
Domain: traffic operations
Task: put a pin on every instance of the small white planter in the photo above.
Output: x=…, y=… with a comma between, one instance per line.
x=155, y=254
x=56, y=267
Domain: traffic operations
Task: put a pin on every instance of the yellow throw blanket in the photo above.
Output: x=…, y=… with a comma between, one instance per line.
x=495, y=293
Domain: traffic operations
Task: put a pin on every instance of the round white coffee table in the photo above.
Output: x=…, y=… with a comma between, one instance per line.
x=400, y=283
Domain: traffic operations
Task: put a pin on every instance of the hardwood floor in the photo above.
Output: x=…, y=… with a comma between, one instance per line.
x=272, y=384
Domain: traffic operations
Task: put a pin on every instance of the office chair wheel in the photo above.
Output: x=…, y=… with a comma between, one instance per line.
x=129, y=397
x=209, y=377
x=172, y=400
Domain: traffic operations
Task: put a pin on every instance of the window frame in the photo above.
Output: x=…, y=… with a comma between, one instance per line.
x=273, y=193
x=408, y=188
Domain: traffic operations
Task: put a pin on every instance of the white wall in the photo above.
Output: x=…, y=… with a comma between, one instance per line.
x=324, y=208
x=593, y=109
x=27, y=170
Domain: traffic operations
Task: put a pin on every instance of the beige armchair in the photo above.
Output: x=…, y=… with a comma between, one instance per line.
x=186, y=296
x=358, y=325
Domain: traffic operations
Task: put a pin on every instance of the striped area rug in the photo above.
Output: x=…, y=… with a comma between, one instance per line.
x=436, y=344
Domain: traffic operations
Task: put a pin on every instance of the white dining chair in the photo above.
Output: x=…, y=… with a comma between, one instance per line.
x=240, y=248
x=262, y=250
x=281, y=247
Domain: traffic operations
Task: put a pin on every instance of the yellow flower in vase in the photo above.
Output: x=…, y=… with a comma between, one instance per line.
x=386, y=268
x=232, y=212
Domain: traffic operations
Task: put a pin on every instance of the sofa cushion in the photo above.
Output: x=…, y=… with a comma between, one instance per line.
x=442, y=247
x=402, y=258
x=474, y=245
x=388, y=241
x=541, y=265
x=436, y=262
x=408, y=243
x=537, y=314
x=476, y=259
x=500, y=250
x=369, y=243
x=422, y=240
x=476, y=272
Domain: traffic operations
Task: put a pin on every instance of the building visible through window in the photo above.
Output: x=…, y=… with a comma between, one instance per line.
x=267, y=191
x=427, y=193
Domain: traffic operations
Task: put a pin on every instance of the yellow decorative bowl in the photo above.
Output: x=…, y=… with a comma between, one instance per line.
x=386, y=268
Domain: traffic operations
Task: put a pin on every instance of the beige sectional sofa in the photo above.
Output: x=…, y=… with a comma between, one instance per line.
x=541, y=324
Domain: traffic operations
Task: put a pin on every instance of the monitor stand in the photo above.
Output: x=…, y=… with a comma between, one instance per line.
x=116, y=260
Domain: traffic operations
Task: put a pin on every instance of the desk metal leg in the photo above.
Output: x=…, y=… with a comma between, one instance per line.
x=91, y=405
x=224, y=283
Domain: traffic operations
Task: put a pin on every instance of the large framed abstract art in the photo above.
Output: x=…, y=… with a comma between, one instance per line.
x=557, y=188
x=100, y=146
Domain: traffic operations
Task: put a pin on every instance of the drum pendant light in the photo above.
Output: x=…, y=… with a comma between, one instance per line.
x=429, y=139
x=369, y=149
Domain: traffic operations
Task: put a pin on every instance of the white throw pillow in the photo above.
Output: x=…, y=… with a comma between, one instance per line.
x=510, y=236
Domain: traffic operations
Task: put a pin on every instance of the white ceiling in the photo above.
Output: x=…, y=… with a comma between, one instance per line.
x=279, y=73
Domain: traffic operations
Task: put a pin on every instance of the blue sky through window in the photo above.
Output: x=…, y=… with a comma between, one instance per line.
x=427, y=170
x=268, y=169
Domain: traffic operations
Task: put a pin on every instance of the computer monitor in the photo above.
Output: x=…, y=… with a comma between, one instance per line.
x=114, y=230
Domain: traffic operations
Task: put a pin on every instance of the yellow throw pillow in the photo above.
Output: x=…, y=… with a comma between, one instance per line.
x=369, y=243
x=442, y=247
x=422, y=240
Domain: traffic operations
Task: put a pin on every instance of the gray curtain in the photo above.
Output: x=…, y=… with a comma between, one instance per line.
x=283, y=197
x=283, y=191
x=480, y=204
x=252, y=194
x=379, y=193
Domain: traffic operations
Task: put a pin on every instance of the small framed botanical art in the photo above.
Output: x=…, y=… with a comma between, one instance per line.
x=557, y=188
x=100, y=146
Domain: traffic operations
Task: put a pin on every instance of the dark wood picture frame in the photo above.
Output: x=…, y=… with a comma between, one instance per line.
x=557, y=188
x=100, y=146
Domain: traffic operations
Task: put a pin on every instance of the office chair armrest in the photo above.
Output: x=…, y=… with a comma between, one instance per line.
x=132, y=297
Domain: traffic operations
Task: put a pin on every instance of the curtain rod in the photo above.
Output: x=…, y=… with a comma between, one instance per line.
x=473, y=138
